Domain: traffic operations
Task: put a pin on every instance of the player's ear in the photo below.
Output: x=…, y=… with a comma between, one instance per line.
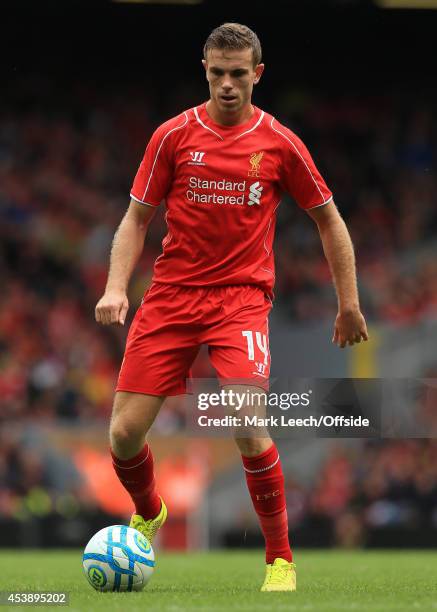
x=258, y=72
x=205, y=65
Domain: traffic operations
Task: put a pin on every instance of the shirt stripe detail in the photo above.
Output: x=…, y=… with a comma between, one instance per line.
x=169, y=236
x=267, y=270
x=264, y=469
x=299, y=153
x=179, y=127
x=268, y=229
x=141, y=202
x=265, y=238
x=261, y=117
x=205, y=126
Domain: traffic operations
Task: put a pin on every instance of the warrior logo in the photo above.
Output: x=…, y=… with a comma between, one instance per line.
x=196, y=158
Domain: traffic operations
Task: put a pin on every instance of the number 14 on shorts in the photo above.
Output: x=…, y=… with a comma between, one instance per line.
x=261, y=345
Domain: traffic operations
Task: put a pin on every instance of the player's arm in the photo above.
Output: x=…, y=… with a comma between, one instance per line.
x=350, y=326
x=126, y=249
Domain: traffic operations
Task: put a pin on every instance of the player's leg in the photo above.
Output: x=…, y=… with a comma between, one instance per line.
x=160, y=350
x=239, y=351
x=265, y=481
x=132, y=416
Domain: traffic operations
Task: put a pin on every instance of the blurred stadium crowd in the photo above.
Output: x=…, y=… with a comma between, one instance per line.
x=65, y=177
x=384, y=485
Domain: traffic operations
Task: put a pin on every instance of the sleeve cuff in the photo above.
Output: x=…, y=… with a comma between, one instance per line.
x=141, y=201
x=322, y=204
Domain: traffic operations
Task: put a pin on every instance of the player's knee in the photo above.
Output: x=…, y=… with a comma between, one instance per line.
x=126, y=440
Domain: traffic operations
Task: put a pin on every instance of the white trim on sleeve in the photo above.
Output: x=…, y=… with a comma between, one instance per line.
x=300, y=155
x=322, y=204
x=141, y=202
x=179, y=127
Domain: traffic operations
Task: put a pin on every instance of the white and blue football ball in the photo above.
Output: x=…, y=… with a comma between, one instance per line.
x=118, y=558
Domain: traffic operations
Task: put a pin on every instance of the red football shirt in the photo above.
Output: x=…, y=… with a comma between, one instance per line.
x=222, y=186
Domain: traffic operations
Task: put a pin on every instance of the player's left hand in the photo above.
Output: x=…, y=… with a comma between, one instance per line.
x=350, y=328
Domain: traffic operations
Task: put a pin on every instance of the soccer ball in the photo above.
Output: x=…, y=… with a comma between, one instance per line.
x=118, y=558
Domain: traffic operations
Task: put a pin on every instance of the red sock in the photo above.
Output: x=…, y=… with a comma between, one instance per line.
x=265, y=481
x=137, y=477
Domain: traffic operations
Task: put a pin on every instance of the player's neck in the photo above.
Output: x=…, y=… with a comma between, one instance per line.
x=229, y=119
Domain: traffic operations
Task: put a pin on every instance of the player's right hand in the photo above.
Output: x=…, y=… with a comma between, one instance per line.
x=112, y=308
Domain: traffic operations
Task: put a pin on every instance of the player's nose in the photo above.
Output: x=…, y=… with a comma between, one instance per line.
x=227, y=84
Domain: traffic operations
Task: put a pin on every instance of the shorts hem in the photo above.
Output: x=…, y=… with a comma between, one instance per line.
x=169, y=393
x=245, y=382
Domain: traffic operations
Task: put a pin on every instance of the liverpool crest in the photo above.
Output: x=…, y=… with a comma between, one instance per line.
x=255, y=163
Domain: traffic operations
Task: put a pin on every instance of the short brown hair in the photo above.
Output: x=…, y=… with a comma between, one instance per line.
x=234, y=36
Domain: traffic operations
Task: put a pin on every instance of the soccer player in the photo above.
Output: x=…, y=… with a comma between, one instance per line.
x=221, y=168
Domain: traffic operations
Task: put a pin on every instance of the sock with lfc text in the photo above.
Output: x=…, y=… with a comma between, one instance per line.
x=137, y=477
x=265, y=481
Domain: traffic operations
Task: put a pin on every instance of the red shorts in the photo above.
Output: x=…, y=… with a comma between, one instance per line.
x=172, y=323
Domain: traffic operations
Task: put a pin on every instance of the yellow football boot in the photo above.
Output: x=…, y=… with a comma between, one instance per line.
x=280, y=576
x=150, y=527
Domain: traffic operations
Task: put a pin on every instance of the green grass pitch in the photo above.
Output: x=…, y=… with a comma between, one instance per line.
x=327, y=580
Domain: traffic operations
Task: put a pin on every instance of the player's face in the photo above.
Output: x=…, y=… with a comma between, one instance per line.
x=231, y=76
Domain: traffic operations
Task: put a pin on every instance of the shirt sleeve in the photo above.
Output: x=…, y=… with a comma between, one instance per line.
x=300, y=177
x=153, y=179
